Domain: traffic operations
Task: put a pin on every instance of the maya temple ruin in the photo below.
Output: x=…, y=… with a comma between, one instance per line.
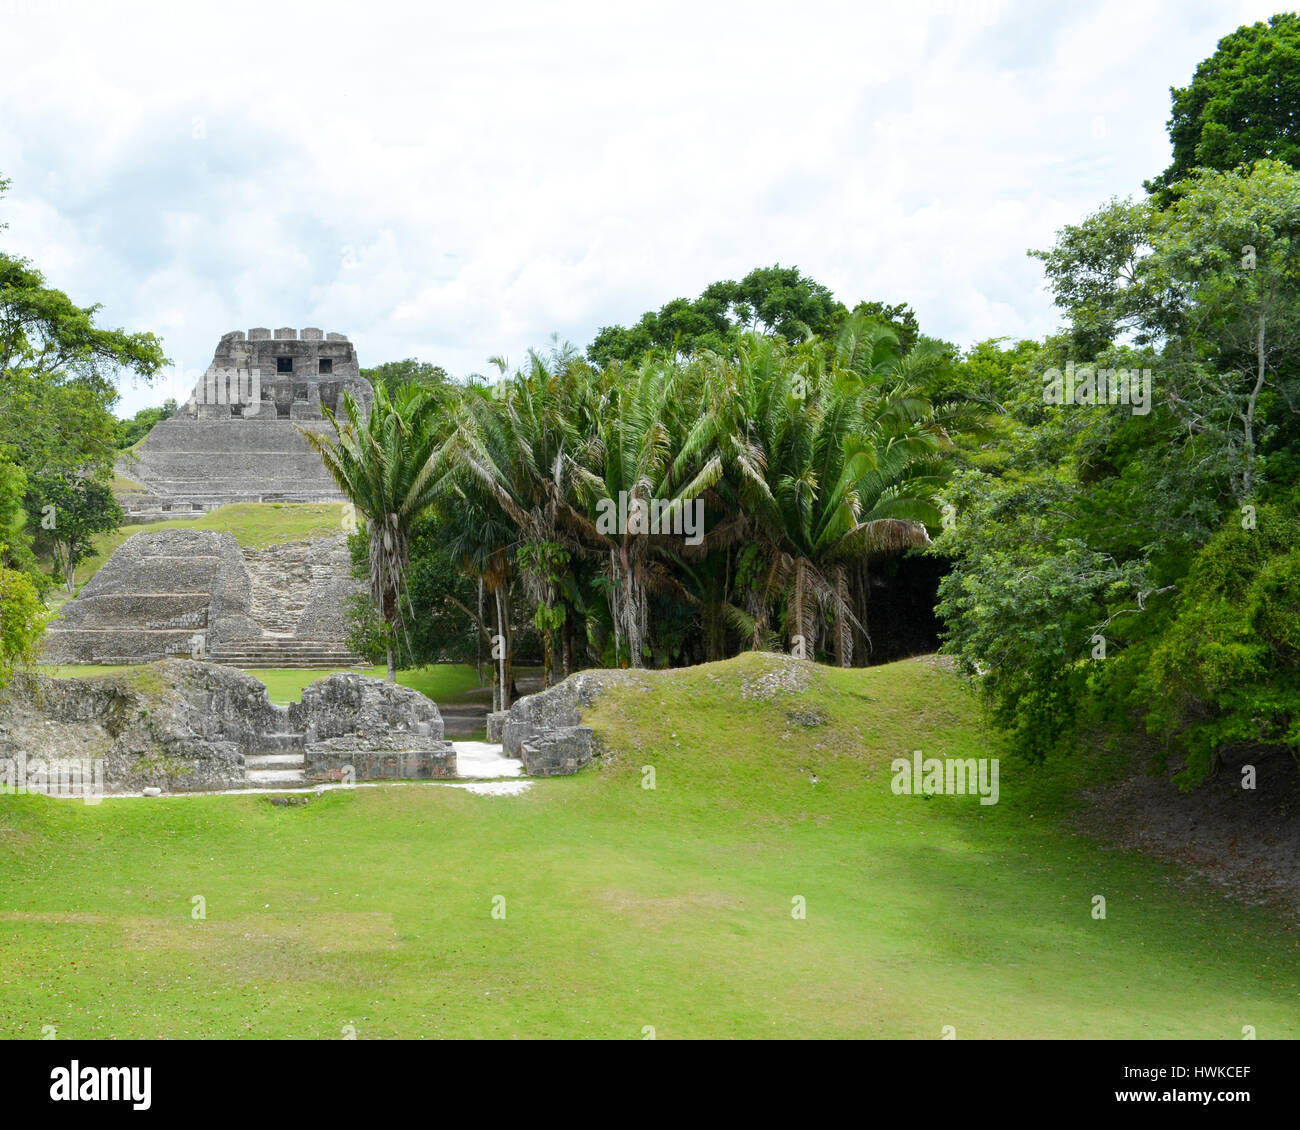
x=199, y=594
x=236, y=439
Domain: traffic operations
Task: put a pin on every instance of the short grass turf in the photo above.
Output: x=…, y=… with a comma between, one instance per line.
x=628, y=908
x=443, y=682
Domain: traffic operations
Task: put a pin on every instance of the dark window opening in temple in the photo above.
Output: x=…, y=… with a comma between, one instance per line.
x=327, y=365
x=282, y=411
x=284, y=364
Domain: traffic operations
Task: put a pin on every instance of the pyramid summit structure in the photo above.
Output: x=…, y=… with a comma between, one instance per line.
x=237, y=438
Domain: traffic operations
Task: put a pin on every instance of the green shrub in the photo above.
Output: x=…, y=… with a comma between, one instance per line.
x=1226, y=673
x=23, y=617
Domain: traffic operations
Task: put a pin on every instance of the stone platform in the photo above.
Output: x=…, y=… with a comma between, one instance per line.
x=196, y=594
x=196, y=727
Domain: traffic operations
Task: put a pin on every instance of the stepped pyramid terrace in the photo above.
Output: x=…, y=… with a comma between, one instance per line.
x=199, y=594
x=236, y=438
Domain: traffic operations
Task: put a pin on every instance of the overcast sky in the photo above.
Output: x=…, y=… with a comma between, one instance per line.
x=452, y=182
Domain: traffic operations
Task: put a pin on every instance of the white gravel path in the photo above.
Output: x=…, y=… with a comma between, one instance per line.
x=485, y=764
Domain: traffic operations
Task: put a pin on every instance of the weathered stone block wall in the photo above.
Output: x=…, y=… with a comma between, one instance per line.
x=346, y=704
x=236, y=439
x=301, y=588
x=545, y=729
x=557, y=752
x=183, y=726
x=382, y=730
x=158, y=592
x=179, y=726
x=325, y=762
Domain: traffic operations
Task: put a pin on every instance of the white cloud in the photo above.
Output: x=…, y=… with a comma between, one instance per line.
x=462, y=182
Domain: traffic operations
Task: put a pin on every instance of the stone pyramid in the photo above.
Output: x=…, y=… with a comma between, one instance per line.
x=236, y=439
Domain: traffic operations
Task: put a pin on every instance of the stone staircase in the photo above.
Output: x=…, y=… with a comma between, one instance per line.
x=188, y=464
x=288, y=580
x=281, y=766
x=276, y=651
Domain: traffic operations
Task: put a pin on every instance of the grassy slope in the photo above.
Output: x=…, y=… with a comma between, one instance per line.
x=443, y=682
x=629, y=907
x=254, y=524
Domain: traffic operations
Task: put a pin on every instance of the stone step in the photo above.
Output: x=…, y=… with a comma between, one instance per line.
x=314, y=663
x=229, y=657
x=296, y=657
x=276, y=745
x=288, y=649
x=319, y=649
x=259, y=761
x=232, y=658
x=308, y=660
x=274, y=777
x=225, y=654
x=281, y=643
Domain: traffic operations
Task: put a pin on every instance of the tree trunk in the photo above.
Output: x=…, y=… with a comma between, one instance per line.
x=864, y=610
x=390, y=632
x=630, y=603
x=566, y=653
x=512, y=692
x=500, y=646
x=843, y=626
x=1248, y=474
x=478, y=638
x=615, y=597
x=800, y=642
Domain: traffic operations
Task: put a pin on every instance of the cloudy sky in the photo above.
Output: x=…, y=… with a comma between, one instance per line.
x=451, y=182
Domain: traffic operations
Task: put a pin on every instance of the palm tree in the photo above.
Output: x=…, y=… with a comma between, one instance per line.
x=826, y=466
x=517, y=451
x=382, y=463
x=629, y=471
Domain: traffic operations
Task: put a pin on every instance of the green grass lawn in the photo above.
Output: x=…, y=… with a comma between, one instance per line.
x=627, y=907
x=442, y=682
x=255, y=525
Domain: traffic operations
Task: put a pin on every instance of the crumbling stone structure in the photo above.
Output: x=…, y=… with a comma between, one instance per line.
x=236, y=438
x=196, y=594
x=545, y=730
x=282, y=376
x=190, y=727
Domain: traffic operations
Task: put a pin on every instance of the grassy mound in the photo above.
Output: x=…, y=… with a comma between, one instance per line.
x=628, y=908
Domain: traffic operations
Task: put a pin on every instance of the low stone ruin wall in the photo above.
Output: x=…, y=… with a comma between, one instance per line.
x=545, y=730
x=381, y=730
x=184, y=726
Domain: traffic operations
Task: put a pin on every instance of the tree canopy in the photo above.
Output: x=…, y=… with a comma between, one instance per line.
x=775, y=301
x=1242, y=105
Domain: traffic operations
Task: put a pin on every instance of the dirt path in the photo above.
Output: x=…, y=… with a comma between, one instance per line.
x=1247, y=840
